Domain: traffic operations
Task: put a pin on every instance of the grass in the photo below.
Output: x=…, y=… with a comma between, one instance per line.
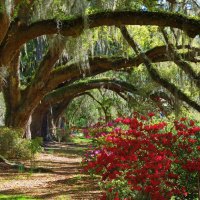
x=15, y=197
x=81, y=140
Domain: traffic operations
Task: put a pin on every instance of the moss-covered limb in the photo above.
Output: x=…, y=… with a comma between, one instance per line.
x=171, y=87
x=58, y=98
x=67, y=91
x=75, y=26
x=100, y=65
x=187, y=68
x=156, y=76
x=182, y=64
x=20, y=33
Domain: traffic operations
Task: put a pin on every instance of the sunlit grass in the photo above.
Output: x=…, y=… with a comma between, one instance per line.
x=81, y=140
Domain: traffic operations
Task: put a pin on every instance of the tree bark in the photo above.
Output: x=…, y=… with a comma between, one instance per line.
x=11, y=91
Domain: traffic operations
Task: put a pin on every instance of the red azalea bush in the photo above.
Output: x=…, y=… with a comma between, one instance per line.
x=146, y=158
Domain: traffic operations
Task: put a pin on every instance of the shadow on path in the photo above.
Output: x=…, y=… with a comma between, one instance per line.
x=64, y=180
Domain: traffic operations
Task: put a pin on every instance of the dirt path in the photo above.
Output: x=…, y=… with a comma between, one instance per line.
x=64, y=181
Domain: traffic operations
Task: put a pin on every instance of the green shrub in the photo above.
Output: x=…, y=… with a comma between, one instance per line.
x=12, y=145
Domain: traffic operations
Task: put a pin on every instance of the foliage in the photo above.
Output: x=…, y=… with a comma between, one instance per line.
x=34, y=145
x=144, y=157
x=13, y=146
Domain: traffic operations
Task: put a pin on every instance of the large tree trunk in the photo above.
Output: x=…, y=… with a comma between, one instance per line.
x=20, y=104
x=12, y=96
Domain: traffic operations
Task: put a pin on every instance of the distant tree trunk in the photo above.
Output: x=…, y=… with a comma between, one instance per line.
x=28, y=128
x=41, y=123
x=37, y=122
x=45, y=129
x=45, y=120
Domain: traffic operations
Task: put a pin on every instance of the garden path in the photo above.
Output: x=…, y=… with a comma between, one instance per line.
x=62, y=181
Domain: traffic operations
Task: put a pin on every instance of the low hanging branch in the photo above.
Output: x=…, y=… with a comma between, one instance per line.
x=70, y=90
x=65, y=94
x=155, y=75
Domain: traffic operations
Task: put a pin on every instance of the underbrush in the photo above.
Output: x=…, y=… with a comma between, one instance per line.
x=13, y=146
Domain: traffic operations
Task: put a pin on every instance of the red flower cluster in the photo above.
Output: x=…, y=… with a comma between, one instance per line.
x=147, y=155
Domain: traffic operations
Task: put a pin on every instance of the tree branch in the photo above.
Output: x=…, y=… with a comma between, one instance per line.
x=75, y=26
x=36, y=89
x=100, y=65
x=183, y=65
x=155, y=75
x=71, y=90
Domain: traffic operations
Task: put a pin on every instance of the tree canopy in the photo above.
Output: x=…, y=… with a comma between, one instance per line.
x=48, y=47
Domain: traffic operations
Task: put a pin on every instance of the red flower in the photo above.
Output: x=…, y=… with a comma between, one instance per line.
x=143, y=117
x=192, y=123
x=151, y=114
x=148, y=157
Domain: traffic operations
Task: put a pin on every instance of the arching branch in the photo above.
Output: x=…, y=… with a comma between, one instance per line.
x=103, y=64
x=69, y=73
x=67, y=91
x=75, y=26
x=36, y=88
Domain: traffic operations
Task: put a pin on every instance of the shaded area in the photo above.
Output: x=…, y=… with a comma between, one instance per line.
x=63, y=179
